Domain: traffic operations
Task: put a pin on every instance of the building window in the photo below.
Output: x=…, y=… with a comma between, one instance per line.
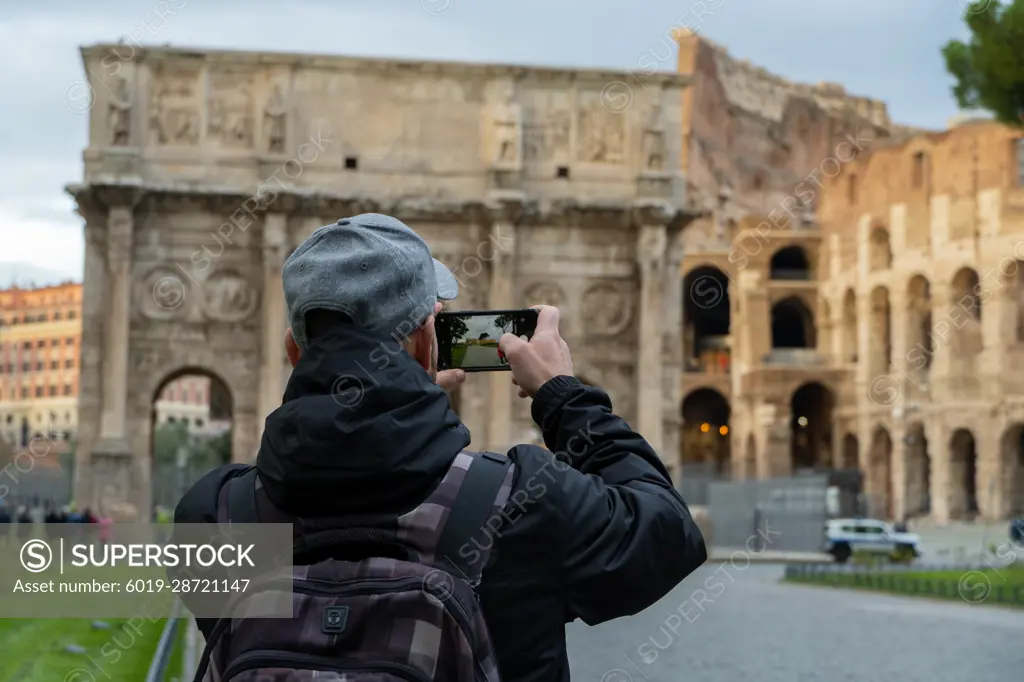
x=57, y=315
x=54, y=364
x=67, y=391
x=69, y=364
x=26, y=367
x=27, y=345
x=920, y=168
x=24, y=392
x=41, y=343
x=39, y=391
x=72, y=314
x=70, y=341
x=39, y=366
x=53, y=391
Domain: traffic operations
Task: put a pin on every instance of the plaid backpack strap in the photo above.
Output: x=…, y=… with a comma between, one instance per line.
x=474, y=514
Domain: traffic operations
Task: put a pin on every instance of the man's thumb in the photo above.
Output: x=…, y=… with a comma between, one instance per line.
x=510, y=344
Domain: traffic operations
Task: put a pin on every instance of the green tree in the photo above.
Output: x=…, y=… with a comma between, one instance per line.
x=989, y=68
x=503, y=321
x=168, y=438
x=458, y=328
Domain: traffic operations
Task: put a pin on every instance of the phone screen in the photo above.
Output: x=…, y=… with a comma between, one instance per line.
x=468, y=340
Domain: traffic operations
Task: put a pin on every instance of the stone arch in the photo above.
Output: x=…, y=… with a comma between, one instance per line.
x=1011, y=455
x=965, y=298
x=850, y=335
x=880, y=350
x=879, y=249
x=706, y=320
x=917, y=472
x=851, y=452
x=811, y=408
x=963, y=475
x=705, y=433
x=790, y=263
x=793, y=324
x=919, y=324
x=190, y=430
x=879, y=474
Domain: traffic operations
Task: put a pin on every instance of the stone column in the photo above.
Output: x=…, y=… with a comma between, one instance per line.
x=939, y=448
x=652, y=244
x=117, y=491
x=672, y=353
x=502, y=297
x=120, y=226
x=272, y=344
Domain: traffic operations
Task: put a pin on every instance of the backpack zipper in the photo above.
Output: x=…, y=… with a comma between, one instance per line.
x=274, y=659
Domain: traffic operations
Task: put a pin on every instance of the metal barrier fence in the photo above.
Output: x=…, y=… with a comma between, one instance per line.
x=695, y=480
x=165, y=647
x=792, y=509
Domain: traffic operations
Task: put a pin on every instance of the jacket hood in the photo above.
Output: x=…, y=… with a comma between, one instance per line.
x=362, y=429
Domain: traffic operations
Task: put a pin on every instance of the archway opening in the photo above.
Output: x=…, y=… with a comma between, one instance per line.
x=811, y=427
x=880, y=254
x=880, y=352
x=917, y=473
x=963, y=475
x=849, y=327
x=790, y=263
x=966, y=303
x=706, y=321
x=1012, y=465
x=851, y=452
x=880, y=489
x=919, y=325
x=191, y=427
x=705, y=434
x=792, y=324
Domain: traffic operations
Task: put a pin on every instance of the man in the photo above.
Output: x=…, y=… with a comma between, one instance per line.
x=608, y=537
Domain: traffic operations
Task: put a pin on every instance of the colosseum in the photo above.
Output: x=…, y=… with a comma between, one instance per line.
x=834, y=296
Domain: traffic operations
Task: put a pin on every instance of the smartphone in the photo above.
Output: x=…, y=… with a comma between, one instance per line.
x=468, y=339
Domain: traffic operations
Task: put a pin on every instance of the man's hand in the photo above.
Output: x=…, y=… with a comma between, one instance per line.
x=450, y=379
x=540, y=359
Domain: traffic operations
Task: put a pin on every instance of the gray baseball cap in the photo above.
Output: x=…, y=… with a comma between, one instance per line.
x=373, y=268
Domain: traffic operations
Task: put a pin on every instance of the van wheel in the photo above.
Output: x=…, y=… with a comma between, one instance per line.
x=841, y=553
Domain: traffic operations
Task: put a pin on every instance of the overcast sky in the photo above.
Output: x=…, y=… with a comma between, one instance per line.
x=886, y=49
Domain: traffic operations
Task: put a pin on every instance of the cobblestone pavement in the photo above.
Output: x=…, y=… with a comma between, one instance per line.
x=747, y=627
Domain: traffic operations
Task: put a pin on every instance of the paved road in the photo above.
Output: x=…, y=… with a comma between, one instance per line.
x=753, y=629
x=481, y=356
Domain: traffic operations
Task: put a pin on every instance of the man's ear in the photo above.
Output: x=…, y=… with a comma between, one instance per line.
x=292, y=348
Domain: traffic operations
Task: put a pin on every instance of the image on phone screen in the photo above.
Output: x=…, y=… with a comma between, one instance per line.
x=469, y=340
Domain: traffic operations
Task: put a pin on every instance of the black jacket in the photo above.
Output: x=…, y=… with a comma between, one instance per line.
x=609, y=538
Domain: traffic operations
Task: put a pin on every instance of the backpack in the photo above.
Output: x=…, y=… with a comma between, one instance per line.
x=412, y=616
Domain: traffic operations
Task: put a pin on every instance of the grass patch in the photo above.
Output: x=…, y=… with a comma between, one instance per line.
x=34, y=650
x=994, y=586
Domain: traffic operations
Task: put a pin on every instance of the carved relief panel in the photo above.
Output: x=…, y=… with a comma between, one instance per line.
x=119, y=113
x=507, y=125
x=602, y=133
x=275, y=120
x=545, y=293
x=229, y=119
x=163, y=294
x=547, y=126
x=174, y=110
x=229, y=297
x=606, y=309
